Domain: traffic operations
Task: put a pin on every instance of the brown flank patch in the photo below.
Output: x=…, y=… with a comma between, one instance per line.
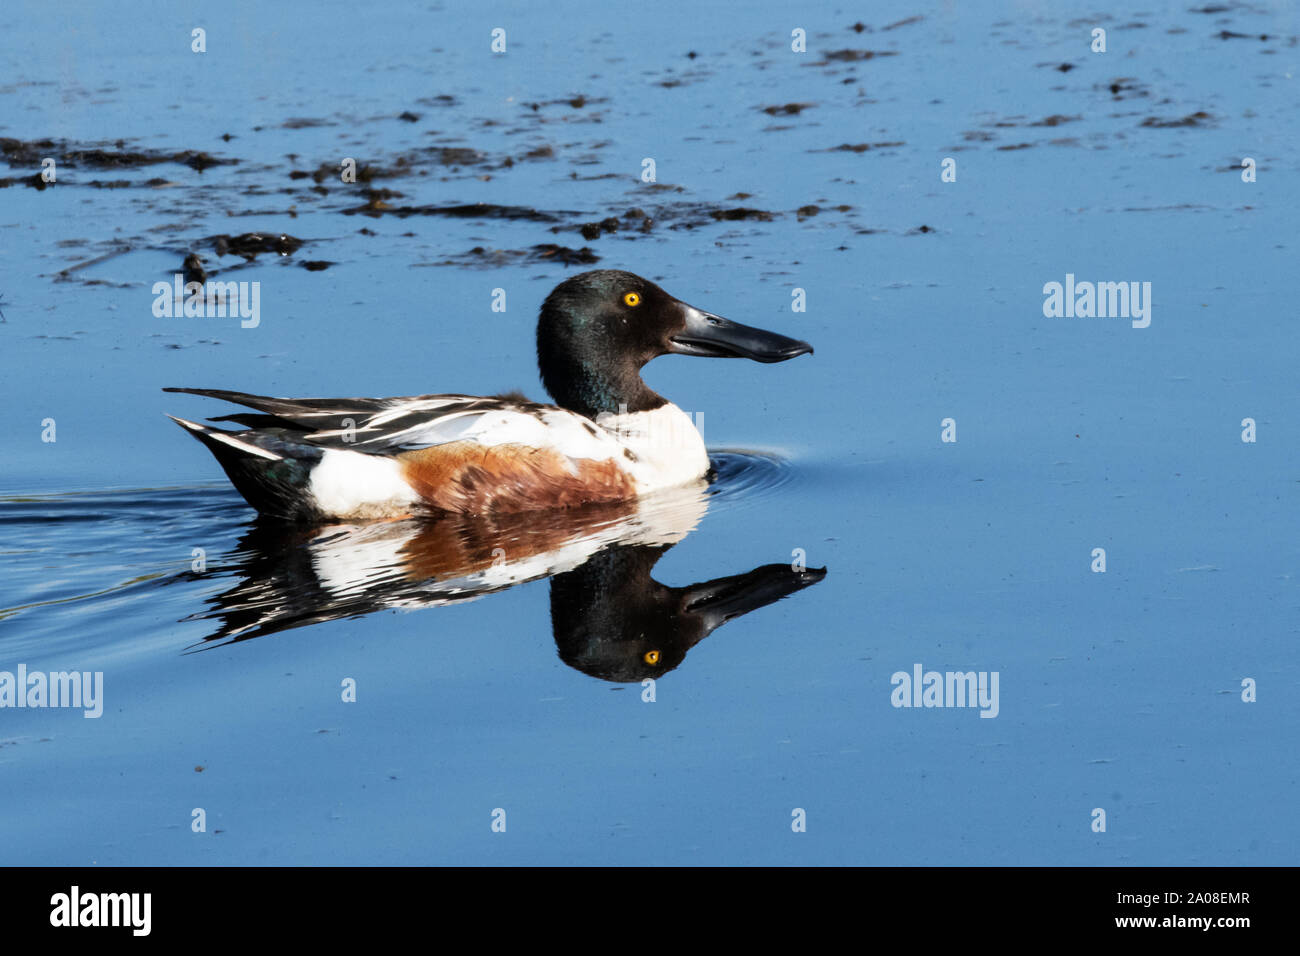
x=468, y=478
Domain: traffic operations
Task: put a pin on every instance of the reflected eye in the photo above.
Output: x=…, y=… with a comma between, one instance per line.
x=651, y=657
x=633, y=299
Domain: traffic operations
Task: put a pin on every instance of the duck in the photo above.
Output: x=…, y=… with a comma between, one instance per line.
x=608, y=436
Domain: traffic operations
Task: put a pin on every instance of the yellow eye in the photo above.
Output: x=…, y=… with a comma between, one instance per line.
x=651, y=657
x=633, y=299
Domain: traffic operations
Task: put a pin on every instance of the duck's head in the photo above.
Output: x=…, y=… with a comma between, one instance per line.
x=597, y=329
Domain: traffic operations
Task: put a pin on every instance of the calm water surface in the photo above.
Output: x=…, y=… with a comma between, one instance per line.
x=512, y=681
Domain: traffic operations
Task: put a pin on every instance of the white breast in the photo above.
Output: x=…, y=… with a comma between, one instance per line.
x=667, y=447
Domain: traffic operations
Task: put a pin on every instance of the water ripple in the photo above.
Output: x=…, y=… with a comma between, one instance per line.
x=86, y=570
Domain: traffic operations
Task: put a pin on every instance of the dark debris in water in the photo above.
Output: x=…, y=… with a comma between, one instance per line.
x=456, y=156
x=541, y=152
x=446, y=159
x=858, y=147
x=1125, y=87
x=593, y=230
x=406, y=164
x=573, y=102
x=252, y=244
x=690, y=215
x=482, y=257
x=550, y=252
x=34, y=181
x=192, y=269
x=442, y=99
x=381, y=194
x=1056, y=119
x=1198, y=119
x=37, y=182
x=787, y=109
x=478, y=210
x=852, y=56
x=740, y=213
x=905, y=22
x=18, y=152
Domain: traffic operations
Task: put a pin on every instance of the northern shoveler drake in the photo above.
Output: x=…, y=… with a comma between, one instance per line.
x=608, y=437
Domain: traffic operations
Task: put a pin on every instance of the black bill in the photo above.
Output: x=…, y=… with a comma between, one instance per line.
x=712, y=336
x=723, y=599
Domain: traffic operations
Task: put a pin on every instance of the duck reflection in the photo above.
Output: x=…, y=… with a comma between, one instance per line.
x=613, y=621
x=610, y=618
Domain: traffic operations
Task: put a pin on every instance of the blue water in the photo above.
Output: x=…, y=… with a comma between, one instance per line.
x=1119, y=690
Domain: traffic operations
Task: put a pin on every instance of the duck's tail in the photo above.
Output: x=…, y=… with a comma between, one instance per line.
x=267, y=466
